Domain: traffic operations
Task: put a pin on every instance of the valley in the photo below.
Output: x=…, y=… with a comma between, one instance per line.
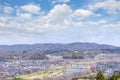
x=53, y=64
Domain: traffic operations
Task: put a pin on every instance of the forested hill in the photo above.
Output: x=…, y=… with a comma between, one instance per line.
x=56, y=46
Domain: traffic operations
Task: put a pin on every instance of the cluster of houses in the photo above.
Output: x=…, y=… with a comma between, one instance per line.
x=108, y=68
x=18, y=67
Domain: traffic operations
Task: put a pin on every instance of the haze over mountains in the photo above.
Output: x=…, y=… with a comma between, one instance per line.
x=56, y=46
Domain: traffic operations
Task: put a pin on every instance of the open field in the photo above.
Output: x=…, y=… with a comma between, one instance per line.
x=53, y=71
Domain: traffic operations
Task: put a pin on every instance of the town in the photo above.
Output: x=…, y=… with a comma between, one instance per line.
x=109, y=64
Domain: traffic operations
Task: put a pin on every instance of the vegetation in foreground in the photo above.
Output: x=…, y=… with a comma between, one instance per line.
x=100, y=76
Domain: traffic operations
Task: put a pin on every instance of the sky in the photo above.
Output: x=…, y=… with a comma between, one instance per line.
x=59, y=21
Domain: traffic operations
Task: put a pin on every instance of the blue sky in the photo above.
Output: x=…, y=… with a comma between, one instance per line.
x=59, y=21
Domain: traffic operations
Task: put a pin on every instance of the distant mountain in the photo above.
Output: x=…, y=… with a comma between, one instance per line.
x=68, y=51
x=56, y=47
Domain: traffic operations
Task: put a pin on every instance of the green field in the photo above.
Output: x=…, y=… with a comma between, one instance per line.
x=53, y=71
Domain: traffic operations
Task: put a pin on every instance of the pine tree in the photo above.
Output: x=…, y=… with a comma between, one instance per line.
x=100, y=76
x=113, y=77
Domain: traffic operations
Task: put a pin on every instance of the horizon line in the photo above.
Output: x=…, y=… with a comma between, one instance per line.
x=57, y=43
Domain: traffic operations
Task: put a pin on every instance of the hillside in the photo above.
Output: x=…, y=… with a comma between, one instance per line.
x=57, y=46
x=67, y=51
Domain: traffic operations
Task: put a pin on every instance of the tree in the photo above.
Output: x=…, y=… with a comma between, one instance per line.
x=118, y=75
x=113, y=77
x=74, y=78
x=100, y=76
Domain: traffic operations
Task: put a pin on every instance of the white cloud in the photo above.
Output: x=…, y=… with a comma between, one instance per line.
x=57, y=18
x=82, y=13
x=99, y=22
x=8, y=9
x=9, y=22
x=31, y=8
x=112, y=6
x=2, y=19
x=60, y=1
x=111, y=27
x=60, y=13
x=117, y=25
x=25, y=15
x=27, y=20
x=78, y=24
x=61, y=16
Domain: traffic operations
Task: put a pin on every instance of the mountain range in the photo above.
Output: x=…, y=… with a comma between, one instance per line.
x=56, y=46
x=40, y=51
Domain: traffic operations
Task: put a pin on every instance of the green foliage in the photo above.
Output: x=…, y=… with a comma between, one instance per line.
x=85, y=77
x=74, y=78
x=118, y=78
x=115, y=76
x=17, y=78
x=100, y=76
x=73, y=55
x=36, y=79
